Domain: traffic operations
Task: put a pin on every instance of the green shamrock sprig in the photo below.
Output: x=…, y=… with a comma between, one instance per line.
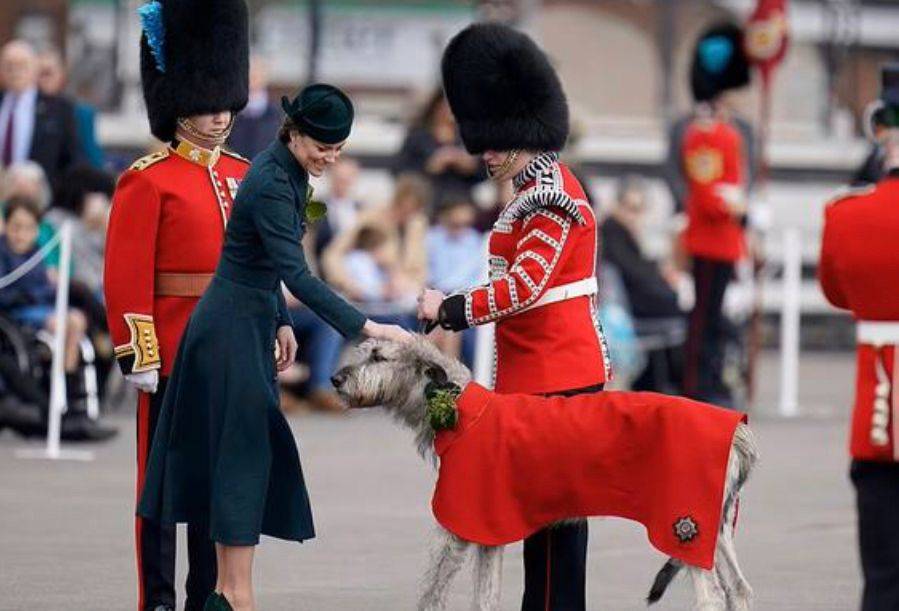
x=441, y=400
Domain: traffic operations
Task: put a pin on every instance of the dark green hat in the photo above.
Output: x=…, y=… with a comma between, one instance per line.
x=322, y=112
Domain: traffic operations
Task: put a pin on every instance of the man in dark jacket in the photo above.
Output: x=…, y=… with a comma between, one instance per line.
x=33, y=125
x=649, y=292
x=255, y=127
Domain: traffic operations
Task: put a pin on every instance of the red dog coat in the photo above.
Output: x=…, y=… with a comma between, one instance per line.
x=516, y=463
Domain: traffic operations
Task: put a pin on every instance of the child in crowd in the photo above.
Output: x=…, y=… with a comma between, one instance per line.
x=455, y=254
x=30, y=300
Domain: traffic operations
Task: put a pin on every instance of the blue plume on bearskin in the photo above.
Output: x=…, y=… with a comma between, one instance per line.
x=151, y=21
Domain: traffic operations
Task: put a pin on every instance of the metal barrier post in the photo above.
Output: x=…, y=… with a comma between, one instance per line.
x=52, y=450
x=789, y=324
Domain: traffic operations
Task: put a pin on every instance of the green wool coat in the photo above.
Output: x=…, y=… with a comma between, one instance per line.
x=223, y=453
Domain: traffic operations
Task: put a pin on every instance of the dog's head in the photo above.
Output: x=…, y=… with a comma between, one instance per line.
x=380, y=372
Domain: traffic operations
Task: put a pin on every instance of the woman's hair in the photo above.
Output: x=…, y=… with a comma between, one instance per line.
x=415, y=186
x=78, y=182
x=32, y=172
x=426, y=114
x=370, y=238
x=20, y=202
x=287, y=125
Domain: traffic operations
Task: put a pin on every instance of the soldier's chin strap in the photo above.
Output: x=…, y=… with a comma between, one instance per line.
x=192, y=130
x=507, y=164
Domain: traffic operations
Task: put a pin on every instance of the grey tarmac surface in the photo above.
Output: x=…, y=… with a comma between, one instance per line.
x=66, y=530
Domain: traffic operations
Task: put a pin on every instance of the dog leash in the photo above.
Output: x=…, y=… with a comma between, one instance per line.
x=425, y=326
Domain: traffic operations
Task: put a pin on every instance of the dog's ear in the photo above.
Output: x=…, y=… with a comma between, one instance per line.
x=436, y=374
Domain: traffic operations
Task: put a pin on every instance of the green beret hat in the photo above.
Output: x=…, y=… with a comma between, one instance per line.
x=322, y=112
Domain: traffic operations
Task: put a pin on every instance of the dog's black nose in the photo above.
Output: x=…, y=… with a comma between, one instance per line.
x=339, y=378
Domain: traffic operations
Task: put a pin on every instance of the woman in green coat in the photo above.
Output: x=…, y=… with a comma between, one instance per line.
x=224, y=454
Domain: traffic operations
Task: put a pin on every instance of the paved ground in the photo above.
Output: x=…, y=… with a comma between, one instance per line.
x=65, y=530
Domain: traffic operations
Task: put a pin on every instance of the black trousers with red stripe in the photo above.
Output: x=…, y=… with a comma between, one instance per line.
x=555, y=559
x=707, y=331
x=156, y=542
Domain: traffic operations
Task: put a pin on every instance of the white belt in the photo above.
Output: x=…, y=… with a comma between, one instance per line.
x=877, y=333
x=564, y=292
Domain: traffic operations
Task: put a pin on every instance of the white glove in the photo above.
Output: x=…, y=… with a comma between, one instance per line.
x=734, y=197
x=147, y=381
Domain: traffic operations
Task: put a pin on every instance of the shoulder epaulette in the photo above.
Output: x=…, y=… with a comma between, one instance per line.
x=235, y=155
x=145, y=162
x=850, y=192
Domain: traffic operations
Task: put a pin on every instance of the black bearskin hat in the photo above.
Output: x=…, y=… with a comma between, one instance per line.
x=719, y=62
x=194, y=59
x=503, y=92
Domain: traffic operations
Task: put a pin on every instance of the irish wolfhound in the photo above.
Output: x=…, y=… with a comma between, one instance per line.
x=394, y=376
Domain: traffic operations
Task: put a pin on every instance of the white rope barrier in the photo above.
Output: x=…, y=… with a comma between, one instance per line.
x=21, y=271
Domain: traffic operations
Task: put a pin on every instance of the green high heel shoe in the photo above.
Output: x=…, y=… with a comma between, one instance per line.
x=217, y=602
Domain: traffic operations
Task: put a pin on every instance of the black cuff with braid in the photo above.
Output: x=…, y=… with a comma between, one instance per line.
x=452, y=313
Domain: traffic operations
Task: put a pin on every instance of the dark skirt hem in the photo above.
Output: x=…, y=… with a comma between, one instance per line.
x=229, y=540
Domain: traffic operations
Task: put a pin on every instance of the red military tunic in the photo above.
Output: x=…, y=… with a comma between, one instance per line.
x=168, y=216
x=713, y=155
x=517, y=463
x=859, y=271
x=545, y=239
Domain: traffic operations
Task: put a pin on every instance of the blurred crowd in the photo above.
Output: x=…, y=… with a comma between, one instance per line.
x=431, y=231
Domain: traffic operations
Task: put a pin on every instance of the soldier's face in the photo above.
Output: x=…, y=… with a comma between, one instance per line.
x=214, y=125
x=504, y=165
x=313, y=155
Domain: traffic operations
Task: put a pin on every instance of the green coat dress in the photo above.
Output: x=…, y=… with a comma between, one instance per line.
x=223, y=453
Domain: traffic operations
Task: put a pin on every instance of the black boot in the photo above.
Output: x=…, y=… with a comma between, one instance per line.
x=217, y=602
x=24, y=418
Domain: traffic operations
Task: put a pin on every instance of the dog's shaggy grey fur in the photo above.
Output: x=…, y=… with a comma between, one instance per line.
x=394, y=376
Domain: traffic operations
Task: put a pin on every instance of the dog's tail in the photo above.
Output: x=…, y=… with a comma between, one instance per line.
x=663, y=579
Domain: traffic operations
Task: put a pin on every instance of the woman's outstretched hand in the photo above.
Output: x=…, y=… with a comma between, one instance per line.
x=285, y=348
x=392, y=333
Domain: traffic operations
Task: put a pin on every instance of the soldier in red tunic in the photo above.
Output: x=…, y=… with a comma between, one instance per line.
x=714, y=164
x=511, y=110
x=165, y=236
x=858, y=270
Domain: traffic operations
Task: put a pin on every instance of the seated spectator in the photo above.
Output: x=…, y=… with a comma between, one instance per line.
x=343, y=206
x=369, y=265
x=30, y=300
x=455, y=261
x=649, y=287
x=432, y=147
x=85, y=199
x=27, y=179
x=376, y=282
x=405, y=224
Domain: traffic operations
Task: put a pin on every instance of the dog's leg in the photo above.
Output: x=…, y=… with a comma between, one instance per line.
x=488, y=569
x=735, y=585
x=707, y=591
x=739, y=592
x=446, y=560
